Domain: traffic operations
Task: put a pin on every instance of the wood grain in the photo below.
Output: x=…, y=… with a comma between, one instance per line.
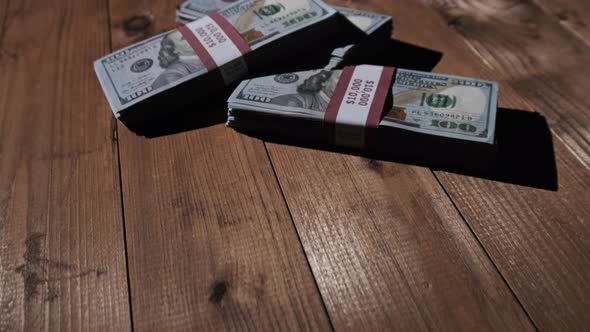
x=387, y=247
x=573, y=14
x=539, y=240
x=62, y=259
x=537, y=56
x=211, y=244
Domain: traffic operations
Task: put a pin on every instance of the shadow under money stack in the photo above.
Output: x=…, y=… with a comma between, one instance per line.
x=412, y=116
x=160, y=75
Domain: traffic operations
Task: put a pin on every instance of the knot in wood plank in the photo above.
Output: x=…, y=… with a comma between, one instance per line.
x=218, y=291
x=136, y=24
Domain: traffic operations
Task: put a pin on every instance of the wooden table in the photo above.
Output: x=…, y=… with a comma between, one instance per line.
x=210, y=229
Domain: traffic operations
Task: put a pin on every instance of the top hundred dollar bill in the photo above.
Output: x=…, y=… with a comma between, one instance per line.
x=191, y=10
x=153, y=66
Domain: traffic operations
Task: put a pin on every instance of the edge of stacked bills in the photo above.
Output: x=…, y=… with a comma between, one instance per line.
x=426, y=117
x=156, y=76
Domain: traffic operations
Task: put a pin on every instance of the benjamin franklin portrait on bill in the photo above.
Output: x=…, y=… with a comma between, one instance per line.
x=313, y=94
x=177, y=58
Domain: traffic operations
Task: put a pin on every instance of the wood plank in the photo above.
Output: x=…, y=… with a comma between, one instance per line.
x=537, y=56
x=573, y=14
x=211, y=244
x=537, y=239
x=62, y=257
x=387, y=247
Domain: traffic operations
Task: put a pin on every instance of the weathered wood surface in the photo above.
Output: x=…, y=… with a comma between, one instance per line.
x=539, y=240
x=62, y=256
x=572, y=14
x=211, y=244
x=529, y=50
x=218, y=226
x=387, y=247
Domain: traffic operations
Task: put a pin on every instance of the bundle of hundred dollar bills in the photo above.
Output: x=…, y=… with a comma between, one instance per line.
x=245, y=39
x=419, y=115
x=371, y=23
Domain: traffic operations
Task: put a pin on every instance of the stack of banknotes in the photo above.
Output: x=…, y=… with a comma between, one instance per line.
x=245, y=39
x=354, y=100
x=419, y=115
x=370, y=23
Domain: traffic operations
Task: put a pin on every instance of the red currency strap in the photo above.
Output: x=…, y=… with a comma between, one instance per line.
x=338, y=95
x=201, y=51
x=377, y=104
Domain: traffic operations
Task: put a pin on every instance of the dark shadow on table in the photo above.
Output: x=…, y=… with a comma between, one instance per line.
x=204, y=113
x=200, y=114
x=524, y=152
x=392, y=53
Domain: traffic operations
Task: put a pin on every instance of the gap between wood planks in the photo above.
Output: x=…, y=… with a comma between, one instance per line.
x=562, y=240
x=115, y=137
x=454, y=206
x=289, y=210
x=274, y=172
x=463, y=217
x=210, y=266
x=477, y=239
x=479, y=242
x=579, y=29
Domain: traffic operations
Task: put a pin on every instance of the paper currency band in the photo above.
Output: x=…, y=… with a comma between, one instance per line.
x=214, y=40
x=358, y=102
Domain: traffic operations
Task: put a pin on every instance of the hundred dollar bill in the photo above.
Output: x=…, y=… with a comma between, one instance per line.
x=367, y=21
x=191, y=10
x=445, y=105
x=426, y=103
x=148, y=68
x=195, y=9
